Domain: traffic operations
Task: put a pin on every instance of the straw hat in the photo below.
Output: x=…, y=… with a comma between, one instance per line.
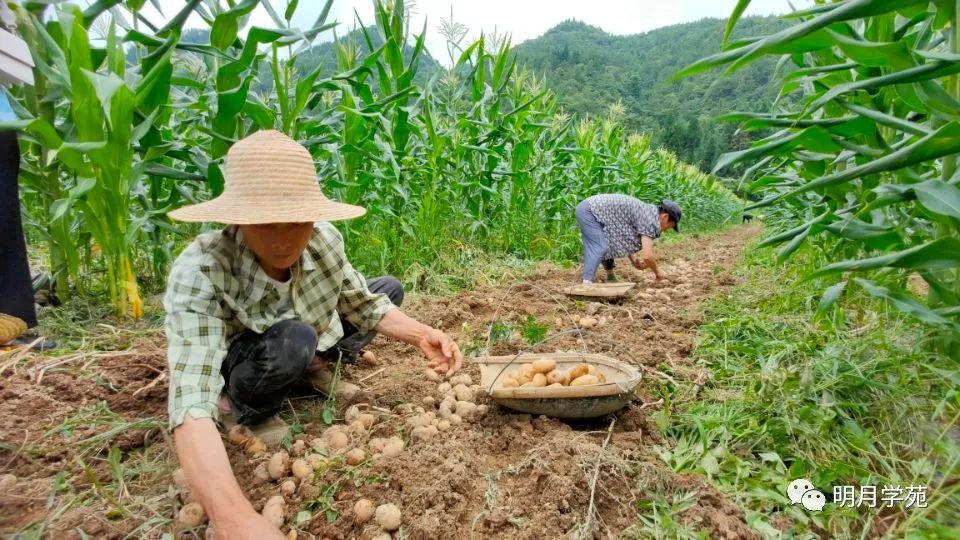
x=270, y=179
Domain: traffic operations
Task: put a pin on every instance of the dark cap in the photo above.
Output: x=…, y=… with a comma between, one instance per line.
x=673, y=210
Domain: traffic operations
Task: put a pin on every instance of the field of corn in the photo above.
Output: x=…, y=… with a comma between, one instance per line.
x=833, y=358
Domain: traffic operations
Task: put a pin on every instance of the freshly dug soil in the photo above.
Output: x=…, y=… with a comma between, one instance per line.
x=506, y=476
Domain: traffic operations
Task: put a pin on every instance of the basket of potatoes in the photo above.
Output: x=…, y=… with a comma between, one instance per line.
x=562, y=385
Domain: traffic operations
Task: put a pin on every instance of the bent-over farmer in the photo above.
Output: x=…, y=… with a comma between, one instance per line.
x=615, y=225
x=261, y=306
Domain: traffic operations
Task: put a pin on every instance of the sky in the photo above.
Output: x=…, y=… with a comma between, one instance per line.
x=520, y=19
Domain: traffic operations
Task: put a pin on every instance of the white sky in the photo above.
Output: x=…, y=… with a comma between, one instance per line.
x=521, y=19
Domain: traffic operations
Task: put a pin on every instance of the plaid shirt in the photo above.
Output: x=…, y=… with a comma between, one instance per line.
x=217, y=290
x=625, y=219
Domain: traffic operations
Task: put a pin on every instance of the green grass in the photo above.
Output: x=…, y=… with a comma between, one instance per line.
x=849, y=397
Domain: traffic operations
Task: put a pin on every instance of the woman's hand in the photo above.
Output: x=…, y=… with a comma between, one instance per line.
x=443, y=354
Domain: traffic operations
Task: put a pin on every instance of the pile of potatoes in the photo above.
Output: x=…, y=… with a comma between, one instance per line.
x=543, y=373
x=457, y=404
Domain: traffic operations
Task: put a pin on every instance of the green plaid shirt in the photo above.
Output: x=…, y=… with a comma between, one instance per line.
x=217, y=290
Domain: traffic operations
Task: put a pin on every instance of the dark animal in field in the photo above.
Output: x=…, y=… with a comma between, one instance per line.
x=747, y=218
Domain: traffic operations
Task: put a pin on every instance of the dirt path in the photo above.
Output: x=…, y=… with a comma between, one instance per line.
x=505, y=476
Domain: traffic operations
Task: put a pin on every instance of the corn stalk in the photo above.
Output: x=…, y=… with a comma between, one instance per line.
x=863, y=168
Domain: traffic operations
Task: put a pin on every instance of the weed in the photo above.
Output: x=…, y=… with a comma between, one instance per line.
x=533, y=331
x=842, y=401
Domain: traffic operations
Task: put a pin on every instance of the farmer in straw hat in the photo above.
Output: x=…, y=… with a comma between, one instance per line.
x=614, y=225
x=263, y=305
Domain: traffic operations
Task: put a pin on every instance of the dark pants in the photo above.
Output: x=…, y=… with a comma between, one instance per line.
x=260, y=369
x=16, y=289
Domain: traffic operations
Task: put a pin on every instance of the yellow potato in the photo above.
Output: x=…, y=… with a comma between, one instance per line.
x=555, y=385
x=587, y=322
x=239, y=434
x=362, y=511
x=544, y=365
x=254, y=446
x=301, y=469
x=578, y=371
x=593, y=370
x=539, y=380
x=356, y=456
x=191, y=515
x=274, y=510
x=509, y=382
x=557, y=376
x=584, y=380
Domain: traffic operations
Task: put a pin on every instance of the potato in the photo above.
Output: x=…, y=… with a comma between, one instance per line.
x=463, y=379
x=455, y=419
x=585, y=380
x=444, y=387
x=443, y=425
x=465, y=409
x=357, y=428
x=338, y=440
x=288, y=487
x=587, y=322
x=376, y=444
x=356, y=456
x=353, y=412
x=382, y=536
x=555, y=385
x=539, y=380
x=298, y=447
x=393, y=447
x=446, y=408
x=578, y=371
x=309, y=491
x=388, y=517
x=431, y=375
x=179, y=478
x=301, y=469
x=424, y=433
x=367, y=420
x=274, y=510
x=318, y=444
x=481, y=410
x=261, y=473
x=254, y=446
x=369, y=358
x=362, y=511
x=419, y=420
x=593, y=370
x=429, y=401
x=463, y=393
x=191, y=515
x=558, y=377
x=544, y=365
x=239, y=434
x=292, y=534
x=509, y=382
x=279, y=465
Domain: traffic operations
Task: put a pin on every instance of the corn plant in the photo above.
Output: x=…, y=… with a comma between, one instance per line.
x=479, y=158
x=862, y=167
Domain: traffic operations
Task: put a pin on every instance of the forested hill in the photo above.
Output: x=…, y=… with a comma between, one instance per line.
x=590, y=69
